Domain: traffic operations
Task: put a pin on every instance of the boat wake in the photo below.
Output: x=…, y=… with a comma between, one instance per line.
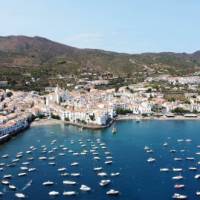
x=27, y=185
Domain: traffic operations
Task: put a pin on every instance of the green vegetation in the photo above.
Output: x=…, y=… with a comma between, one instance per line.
x=121, y=111
x=180, y=111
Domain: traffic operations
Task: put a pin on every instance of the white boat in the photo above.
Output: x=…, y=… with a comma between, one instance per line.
x=67, y=182
x=179, y=196
x=74, y=164
x=85, y=188
x=47, y=183
x=64, y=174
x=25, y=163
x=150, y=160
x=192, y=168
x=178, y=159
x=69, y=193
x=104, y=182
x=5, y=182
x=179, y=186
x=177, y=169
x=164, y=169
x=75, y=174
x=108, y=162
x=98, y=168
x=53, y=193
x=190, y=158
x=198, y=193
x=177, y=177
x=197, y=176
x=5, y=156
x=61, y=169
x=22, y=174
x=165, y=144
x=20, y=195
x=7, y=176
x=102, y=174
x=114, y=174
x=42, y=158
x=188, y=140
x=31, y=169
x=96, y=158
x=112, y=192
x=12, y=187
x=24, y=168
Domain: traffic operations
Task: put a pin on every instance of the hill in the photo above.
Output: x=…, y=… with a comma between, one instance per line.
x=36, y=62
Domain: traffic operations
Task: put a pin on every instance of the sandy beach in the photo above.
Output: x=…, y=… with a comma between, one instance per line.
x=43, y=122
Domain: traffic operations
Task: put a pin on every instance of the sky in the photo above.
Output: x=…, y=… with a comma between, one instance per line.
x=132, y=26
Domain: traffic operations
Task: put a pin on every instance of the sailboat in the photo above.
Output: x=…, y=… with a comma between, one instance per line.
x=114, y=130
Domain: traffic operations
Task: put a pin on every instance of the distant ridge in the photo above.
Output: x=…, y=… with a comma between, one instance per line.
x=44, y=58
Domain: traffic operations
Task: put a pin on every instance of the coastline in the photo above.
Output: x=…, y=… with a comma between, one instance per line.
x=43, y=122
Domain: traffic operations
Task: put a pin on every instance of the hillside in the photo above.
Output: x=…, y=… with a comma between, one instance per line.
x=44, y=62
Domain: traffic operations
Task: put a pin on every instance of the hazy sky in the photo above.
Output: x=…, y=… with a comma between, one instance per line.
x=121, y=25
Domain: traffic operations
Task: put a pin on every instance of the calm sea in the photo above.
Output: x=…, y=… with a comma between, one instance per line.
x=138, y=179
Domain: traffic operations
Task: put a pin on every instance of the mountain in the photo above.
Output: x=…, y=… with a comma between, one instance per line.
x=25, y=58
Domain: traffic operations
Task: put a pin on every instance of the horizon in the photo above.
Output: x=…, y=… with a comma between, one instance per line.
x=127, y=27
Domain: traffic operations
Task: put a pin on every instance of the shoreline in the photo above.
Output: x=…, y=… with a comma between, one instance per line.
x=44, y=122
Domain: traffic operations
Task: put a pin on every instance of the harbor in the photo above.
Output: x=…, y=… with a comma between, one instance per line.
x=88, y=164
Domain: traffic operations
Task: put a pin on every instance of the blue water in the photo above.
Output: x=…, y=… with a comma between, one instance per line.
x=138, y=179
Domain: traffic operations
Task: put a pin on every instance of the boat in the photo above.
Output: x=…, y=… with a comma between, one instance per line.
x=114, y=174
x=197, y=176
x=104, y=182
x=67, y=182
x=75, y=174
x=47, y=183
x=102, y=174
x=108, y=162
x=74, y=164
x=114, y=130
x=165, y=144
x=20, y=195
x=179, y=196
x=192, y=168
x=112, y=192
x=98, y=168
x=5, y=156
x=22, y=174
x=178, y=159
x=5, y=182
x=12, y=187
x=198, y=193
x=53, y=193
x=85, y=188
x=164, y=169
x=61, y=169
x=177, y=177
x=179, y=186
x=69, y=193
x=7, y=176
x=177, y=169
x=150, y=160
x=31, y=169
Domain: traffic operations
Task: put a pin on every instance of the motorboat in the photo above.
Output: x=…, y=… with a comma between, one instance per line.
x=114, y=174
x=67, y=182
x=112, y=192
x=179, y=186
x=104, y=182
x=48, y=183
x=179, y=196
x=177, y=177
x=150, y=160
x=20, y=195
x=85, y=188
x=53, y=193
x=164, y=169
x=69, y=193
